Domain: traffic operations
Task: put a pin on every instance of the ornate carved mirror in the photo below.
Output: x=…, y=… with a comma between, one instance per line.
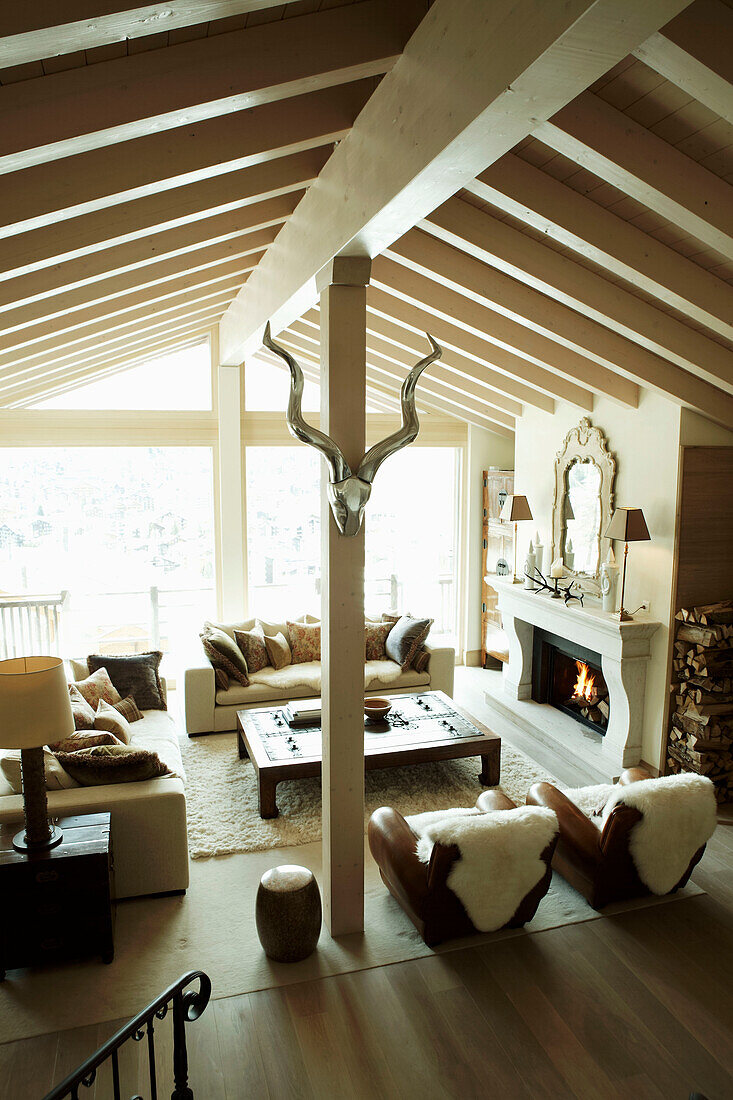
x=584, y=477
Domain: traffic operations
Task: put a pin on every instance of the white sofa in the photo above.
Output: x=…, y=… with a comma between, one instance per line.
x=208, y=709
x=148, y=819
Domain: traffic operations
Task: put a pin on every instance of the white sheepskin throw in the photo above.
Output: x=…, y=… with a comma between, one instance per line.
x=308, y=674
x=679, y=817
x=500, y=856
x=591, y=800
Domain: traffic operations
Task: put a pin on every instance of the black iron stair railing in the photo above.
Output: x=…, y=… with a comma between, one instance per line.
x=187, y=1005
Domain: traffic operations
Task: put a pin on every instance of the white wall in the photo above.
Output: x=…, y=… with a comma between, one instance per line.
x=484, y=450
x=645, y=442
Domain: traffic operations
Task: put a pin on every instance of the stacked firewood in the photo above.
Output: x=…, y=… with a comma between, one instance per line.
x=701, y=731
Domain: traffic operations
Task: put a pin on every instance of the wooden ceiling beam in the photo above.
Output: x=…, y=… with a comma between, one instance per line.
x=57, y=335
x=429, y=292
x=578, y=223
x=154, y=324
x=33, y=32
x=157, y=213
x=162, y=162
x=265, y=221
x=527, y=306
x=473, y=80
x=76, y=110
x=525, y=379
x=437, y=372
x=432, y=390
x=643, y=166
x=88, y=310
x=695, y=52
x=144, y=344
x=484, y=237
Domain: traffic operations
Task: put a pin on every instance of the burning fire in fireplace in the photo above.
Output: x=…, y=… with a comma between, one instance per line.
x=585, y=685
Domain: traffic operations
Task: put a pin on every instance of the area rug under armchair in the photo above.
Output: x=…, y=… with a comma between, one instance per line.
x=221, y=796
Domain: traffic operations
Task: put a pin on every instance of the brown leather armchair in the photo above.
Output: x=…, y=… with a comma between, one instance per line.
x=422, y=889
x=598, y=863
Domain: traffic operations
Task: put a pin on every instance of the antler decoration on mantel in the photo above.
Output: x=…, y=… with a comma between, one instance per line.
x=348, y=493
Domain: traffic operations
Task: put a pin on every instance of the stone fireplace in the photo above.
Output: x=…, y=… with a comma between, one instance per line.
x=548, y=642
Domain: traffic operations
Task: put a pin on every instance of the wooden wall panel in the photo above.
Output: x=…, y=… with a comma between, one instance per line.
x=705, y=548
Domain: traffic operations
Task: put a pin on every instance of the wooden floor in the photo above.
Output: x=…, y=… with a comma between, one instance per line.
x=638, y=1005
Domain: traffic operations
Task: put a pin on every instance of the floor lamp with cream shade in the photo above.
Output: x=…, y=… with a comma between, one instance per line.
x=35, y=710
x=515, y=508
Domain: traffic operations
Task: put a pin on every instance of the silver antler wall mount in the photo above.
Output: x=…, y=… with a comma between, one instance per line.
x=349, y=492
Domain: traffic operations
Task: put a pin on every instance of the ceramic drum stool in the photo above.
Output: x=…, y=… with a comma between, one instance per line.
x=288, y=913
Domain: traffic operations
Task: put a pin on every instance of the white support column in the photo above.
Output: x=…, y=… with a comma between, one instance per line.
x=231, y=496
x=342, y=286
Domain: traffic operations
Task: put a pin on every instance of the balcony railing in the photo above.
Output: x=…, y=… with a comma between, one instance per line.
x=31, y=624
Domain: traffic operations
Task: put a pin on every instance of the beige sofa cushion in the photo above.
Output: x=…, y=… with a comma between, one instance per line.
x=271, y=689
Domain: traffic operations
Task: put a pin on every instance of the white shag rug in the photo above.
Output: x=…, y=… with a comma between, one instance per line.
x=221, y=795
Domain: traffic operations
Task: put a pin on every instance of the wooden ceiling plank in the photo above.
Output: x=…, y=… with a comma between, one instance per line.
x=162, y=162
x=94, y=106
x=536, y=385
x=430, y=387
x=146, y=253
x=495, y=326
x=473, y=80
x=57, y=337
x=387, y=402
x=102, y=229
x=407, y=352
x=551, y=318
x=637, y=162
x=115, y=307
x=579, y=223
x=486, y=238
x=695, y=52
x=36, y=31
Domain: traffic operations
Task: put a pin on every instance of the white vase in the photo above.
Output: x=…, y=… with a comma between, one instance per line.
x=529, y=567
x=609, y=583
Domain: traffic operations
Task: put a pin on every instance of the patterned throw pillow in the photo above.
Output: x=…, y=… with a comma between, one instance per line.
x=405, y=638
x=111, y=764
x=421, y=660
x=134, y=674
x=278, y=650
x=84, y=739
x=83, y=713
x=129, y=709
x=110, y=720
x=98, y=686
x=305, y=642
x=253, y=648
x=375, y=635
x=220, y=660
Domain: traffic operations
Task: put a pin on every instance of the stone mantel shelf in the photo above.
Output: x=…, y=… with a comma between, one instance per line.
x=624, y=648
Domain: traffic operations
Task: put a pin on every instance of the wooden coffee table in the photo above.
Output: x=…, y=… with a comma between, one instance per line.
x=420, y=729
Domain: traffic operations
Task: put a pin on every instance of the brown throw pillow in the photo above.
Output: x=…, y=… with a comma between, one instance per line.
x=111, y=764
x=421, y=660
x=134, y=674
x=253, y=648
x=98, y=686
x=375, y=637
x=405, y=638
x=221, y=661
x=222, y=679
x=82, y=711
x=85, y=739
x=305, y=642
x=129, y=709
x=110, y=720
x=278, y=650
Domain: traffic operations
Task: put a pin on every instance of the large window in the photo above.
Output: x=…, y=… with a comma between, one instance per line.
x=127, y=531
x=411, y=533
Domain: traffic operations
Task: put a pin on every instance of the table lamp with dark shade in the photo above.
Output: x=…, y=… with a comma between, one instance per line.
x=515, y=508
x=627, y=525
x=35, y=710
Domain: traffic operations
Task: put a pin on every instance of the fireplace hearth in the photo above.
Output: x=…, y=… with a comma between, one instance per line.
x=568, y=676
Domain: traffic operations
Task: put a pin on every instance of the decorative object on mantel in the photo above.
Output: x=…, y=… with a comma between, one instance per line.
x=516, y=508
x=609, y=581
x=539, y=552
x=530, y=564
x=502, y=568
x=35, y=710
x=556, y=590
x=584, y=478
x=629, y=525
x=349, y=492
